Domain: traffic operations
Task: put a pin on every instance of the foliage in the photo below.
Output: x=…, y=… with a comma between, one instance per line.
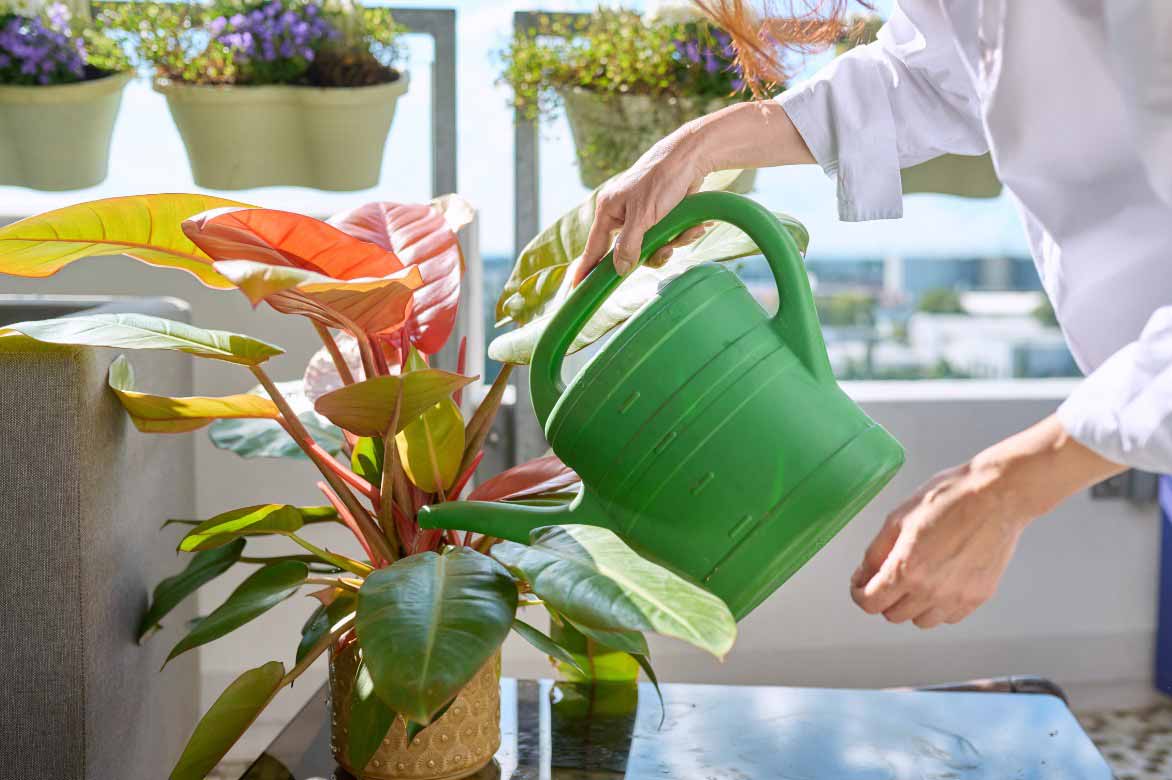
x=613, y=52
x=337, y=43
x=846, y=309
x=387, y=432
x=940, y=301
x=1044, y=313
x=49, y=48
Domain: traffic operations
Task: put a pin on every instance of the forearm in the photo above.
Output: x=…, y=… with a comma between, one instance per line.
x=1033, y=471
x=757, y=134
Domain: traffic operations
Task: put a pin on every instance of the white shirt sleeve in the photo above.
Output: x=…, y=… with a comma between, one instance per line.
x=1139, y=33
x=899, y=101
x=1123, y=410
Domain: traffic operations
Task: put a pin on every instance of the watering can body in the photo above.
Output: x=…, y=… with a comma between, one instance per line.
x=711, y=437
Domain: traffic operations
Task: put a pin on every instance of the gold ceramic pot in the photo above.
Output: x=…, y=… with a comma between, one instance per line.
x=457, y=745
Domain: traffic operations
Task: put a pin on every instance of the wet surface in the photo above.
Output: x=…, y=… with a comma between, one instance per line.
x=574, y=732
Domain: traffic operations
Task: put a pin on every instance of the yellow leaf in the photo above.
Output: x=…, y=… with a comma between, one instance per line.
x=431, y=447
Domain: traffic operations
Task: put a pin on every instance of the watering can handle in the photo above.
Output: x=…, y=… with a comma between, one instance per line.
x=796, y=319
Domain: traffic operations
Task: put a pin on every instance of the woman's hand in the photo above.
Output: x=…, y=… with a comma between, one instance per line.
x=941, y=554
x=747, y=135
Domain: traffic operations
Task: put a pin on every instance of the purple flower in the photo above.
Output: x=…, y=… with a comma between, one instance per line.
x=276, y=34
x=33, y=52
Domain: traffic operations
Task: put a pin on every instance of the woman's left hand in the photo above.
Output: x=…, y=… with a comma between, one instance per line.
x=941, y=554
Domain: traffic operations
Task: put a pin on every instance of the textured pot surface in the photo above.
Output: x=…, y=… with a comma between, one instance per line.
x=58, y=137
x=610, y=132
x=243, y=137
x=457, y=745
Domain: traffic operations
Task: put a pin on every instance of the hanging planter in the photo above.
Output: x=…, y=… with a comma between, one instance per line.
x=327, y=138
x=625, y=81
x=60, y=91
x=611, y=131
x=275, y=93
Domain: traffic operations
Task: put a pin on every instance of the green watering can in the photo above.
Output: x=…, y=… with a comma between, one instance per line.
x=710, y=437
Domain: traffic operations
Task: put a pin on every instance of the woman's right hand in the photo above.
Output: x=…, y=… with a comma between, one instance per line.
x=638, y=198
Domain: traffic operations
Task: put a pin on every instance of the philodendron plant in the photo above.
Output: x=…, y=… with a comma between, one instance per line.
x=427, y=609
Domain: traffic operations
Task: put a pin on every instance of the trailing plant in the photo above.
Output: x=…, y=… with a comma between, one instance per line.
x=387, y=431
x=614, y=52
x=336, y=43
x=47, y=46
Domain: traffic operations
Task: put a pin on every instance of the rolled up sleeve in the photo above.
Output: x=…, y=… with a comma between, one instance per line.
x=1123, y=410
x=902, y=100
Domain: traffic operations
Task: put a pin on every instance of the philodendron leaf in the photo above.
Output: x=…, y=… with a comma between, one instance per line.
x=142, y=331
x=263, y=590
x=720, y=243
x=247, y=521
x=267, y=439
x=370, y=720
x=145, y=227
x=228, y=718
x=324, y=618
x=367, y=459
x=200, y=570
x=542, y=264
x=546, y=645
x=429, y=622
x=431, y=447
x=166, y=414
x=538, y=477
x=625, y=641
x=599, y=583
x=366, y=408
x=644, y=662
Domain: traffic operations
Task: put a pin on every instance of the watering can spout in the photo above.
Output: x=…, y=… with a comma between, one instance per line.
x=511, y=521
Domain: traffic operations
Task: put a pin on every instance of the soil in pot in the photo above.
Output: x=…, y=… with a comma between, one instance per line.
x=611, y=131
x=456, y=745
x=58, y=137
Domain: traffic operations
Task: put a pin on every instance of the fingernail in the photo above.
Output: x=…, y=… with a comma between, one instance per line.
x=857, y=577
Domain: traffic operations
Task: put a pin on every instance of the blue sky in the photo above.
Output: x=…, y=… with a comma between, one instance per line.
x=148, y=156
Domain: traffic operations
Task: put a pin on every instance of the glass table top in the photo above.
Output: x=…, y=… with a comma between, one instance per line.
x=710, y=732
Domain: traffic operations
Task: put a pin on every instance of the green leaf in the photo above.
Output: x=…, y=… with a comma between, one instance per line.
x=541, y=267
x=142, y=331
x=624, y=641
x=431, y=447
x=546, y=645
x=366, y=408
x=644, y=662
x=200, y=570
x=367, y=459
x=228, y=718
x=370, y=720
x=324, y=618
x=266, y=438
x=246, y=521
x=720, y=243
x=429, y=622
x=599, y=583
x=263, y=590
x=414, y=729
x=145, y=227
x=167, y=414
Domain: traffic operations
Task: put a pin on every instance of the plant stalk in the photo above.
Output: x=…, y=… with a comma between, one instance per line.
x=331, y=346
x=318, y=648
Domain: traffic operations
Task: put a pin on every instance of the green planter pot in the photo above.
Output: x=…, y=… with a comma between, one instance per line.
x=954, y=174
x=611, y=131
x=58, y=137
x=243, y=137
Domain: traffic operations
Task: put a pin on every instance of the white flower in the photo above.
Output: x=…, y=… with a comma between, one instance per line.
x=668, y=12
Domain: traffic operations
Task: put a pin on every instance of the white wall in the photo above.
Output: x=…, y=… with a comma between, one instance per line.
x=1077, y=604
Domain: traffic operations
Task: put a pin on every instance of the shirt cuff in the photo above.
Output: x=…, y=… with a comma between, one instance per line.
x=867, y=174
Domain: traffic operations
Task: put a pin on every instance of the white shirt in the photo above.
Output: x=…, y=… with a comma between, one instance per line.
x=1074, y=100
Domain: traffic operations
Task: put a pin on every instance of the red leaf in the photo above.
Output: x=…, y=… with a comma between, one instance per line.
x=423, y=236
x=540, y=475
x=284, y=238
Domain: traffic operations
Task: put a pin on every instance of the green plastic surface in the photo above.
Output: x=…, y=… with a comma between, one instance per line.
x=713, y=438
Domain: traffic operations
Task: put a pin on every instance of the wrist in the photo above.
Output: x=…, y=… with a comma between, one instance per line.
x=1034, y=471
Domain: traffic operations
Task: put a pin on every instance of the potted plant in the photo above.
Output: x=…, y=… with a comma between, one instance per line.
x=61, y=82
x=970, y=176
x=273, y=92
x=624, y=80
x=412, y=618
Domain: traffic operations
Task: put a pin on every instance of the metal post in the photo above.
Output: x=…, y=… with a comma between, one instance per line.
x=440, y=24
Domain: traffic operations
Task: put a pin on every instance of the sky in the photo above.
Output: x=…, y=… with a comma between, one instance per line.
x=148, y=156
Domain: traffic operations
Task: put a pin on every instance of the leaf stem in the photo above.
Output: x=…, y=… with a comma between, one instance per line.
x=370, y=531
x=345, y=517
x=386, y=514
x=341, y=561
x=331, y=346
x=316, y=650
x=332, y=582
x=482, y=419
